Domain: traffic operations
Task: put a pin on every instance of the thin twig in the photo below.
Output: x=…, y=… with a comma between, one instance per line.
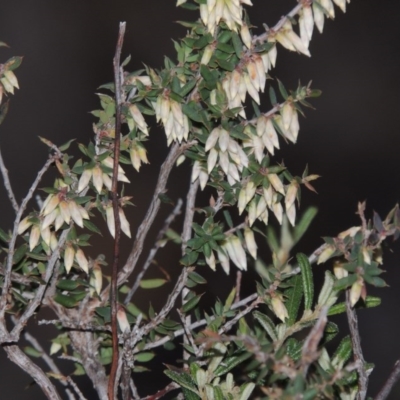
x=13, y=240
x=7, y=184
x=188, y=333
x=176, y=211
x=161, y=393
x=357, y=350
x=75, y=387
x=18, y=357
x=34, y=304
x=390, y=382
x=238, y=285
x=114, y=190
x=175, y=151
x=186, y=235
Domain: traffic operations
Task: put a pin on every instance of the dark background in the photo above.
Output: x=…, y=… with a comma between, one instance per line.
x=352, y=139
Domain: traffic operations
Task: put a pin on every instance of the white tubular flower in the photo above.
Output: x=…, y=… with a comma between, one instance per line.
x=97, y=278
x=64, y=212
x=261, y=206
x=34, y=237
x=125, y=227
x=235, y=252
x=328, y=5
x=294, y=126
x=287, y=113
x=261, y=72
x=325, y=254
x=224, y=260
x=97, y=177
x=276, y=183
x=291, y=214
x=212, y=139
x=46, y=235
x=264, y=217
x=279, y=308
x=50, y=204
x=138, y=118
x=252, y=212
x=223, y=140
x=306, y=25
x=339, y=271
x=138, y=155
x=269, y=195
x=212, y=160
x=245, y=35
x=253, y=75
x=207, y=54
x=84, y=179
x=107, y=182
x=278, y=212
x=53, y=241
x=50, y=218
x=122, y=319
x=250, y=242
x=355, y=291
x=270, y=137
x=203, y=177
x=82, y=260
x=251, y=89
x=291, y=193
x=211, y=261
x=341, y=4
x=298, y=43
x=69, y=255
x=75, y=213
x=24, y=225
x=195, y=171
x=110, y=220
x=319, y=17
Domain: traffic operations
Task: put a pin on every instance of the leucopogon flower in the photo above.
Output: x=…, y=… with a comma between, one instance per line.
x=8, y=81
x=100, y=178
x=176, y=123
x=229, y=11
x=125, y=226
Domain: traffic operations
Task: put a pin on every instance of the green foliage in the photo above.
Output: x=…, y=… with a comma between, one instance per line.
x=208, y=103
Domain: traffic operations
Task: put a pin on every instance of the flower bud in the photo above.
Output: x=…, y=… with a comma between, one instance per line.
x=326, y=254
x=24, y=225
x=279, y=308
x=123, y=322
x=250, y=242
x=355, y=291
x=34, y=237
x=69, y=255
x=82, y=260
x=245, y=35
x=125, y=227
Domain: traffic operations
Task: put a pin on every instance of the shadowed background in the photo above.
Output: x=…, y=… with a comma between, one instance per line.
x=352, y=139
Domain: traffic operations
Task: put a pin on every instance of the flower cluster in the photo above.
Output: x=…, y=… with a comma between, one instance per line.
x=230, y=11
x=176, y=123
x=227, y=153
x=8, y=81
x=249, y=78
x=56, y=210
x=101, y=175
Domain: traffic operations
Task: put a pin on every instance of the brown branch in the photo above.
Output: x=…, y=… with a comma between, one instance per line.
x=18, y=357
x=7, y=184
x=115, y=204
x=161, y=393
x=357, y=350
x=390, y=382
x=176, y=211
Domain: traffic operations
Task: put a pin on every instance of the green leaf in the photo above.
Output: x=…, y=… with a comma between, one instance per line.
x=13, y=63
x=294, y=295
x=20, y=253
x=195, y=277
x=152, y=283
x=272, y=96
x=304, y=223
x=183, y=379
x=191, y=303
x=282, y=89
x=32, y=352
x=65, y=146
x=307, y=277
x=267, y=324
x=230, y=363
x=237, y=44
x=5, y=237
x=145, y=356
x=91, y=226
x=343, y=352
x=66, y=301
x=192, y=111
x=67, y=284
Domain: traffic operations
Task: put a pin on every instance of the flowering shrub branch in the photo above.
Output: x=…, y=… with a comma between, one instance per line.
x=271, y=344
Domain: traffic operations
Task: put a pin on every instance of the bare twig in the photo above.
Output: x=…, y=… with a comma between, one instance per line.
x=18, y=357
x=357, y=350
x=161, y=393
x=13, y=240
x=176, y=211
x=34, y=304
x=238, y=285
x=390, y=382
x=188, y=333
x=7, y=184
x=15, y=277
x=309, y=352
x=75, y=387
x=115, y=203
x=152, y=211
